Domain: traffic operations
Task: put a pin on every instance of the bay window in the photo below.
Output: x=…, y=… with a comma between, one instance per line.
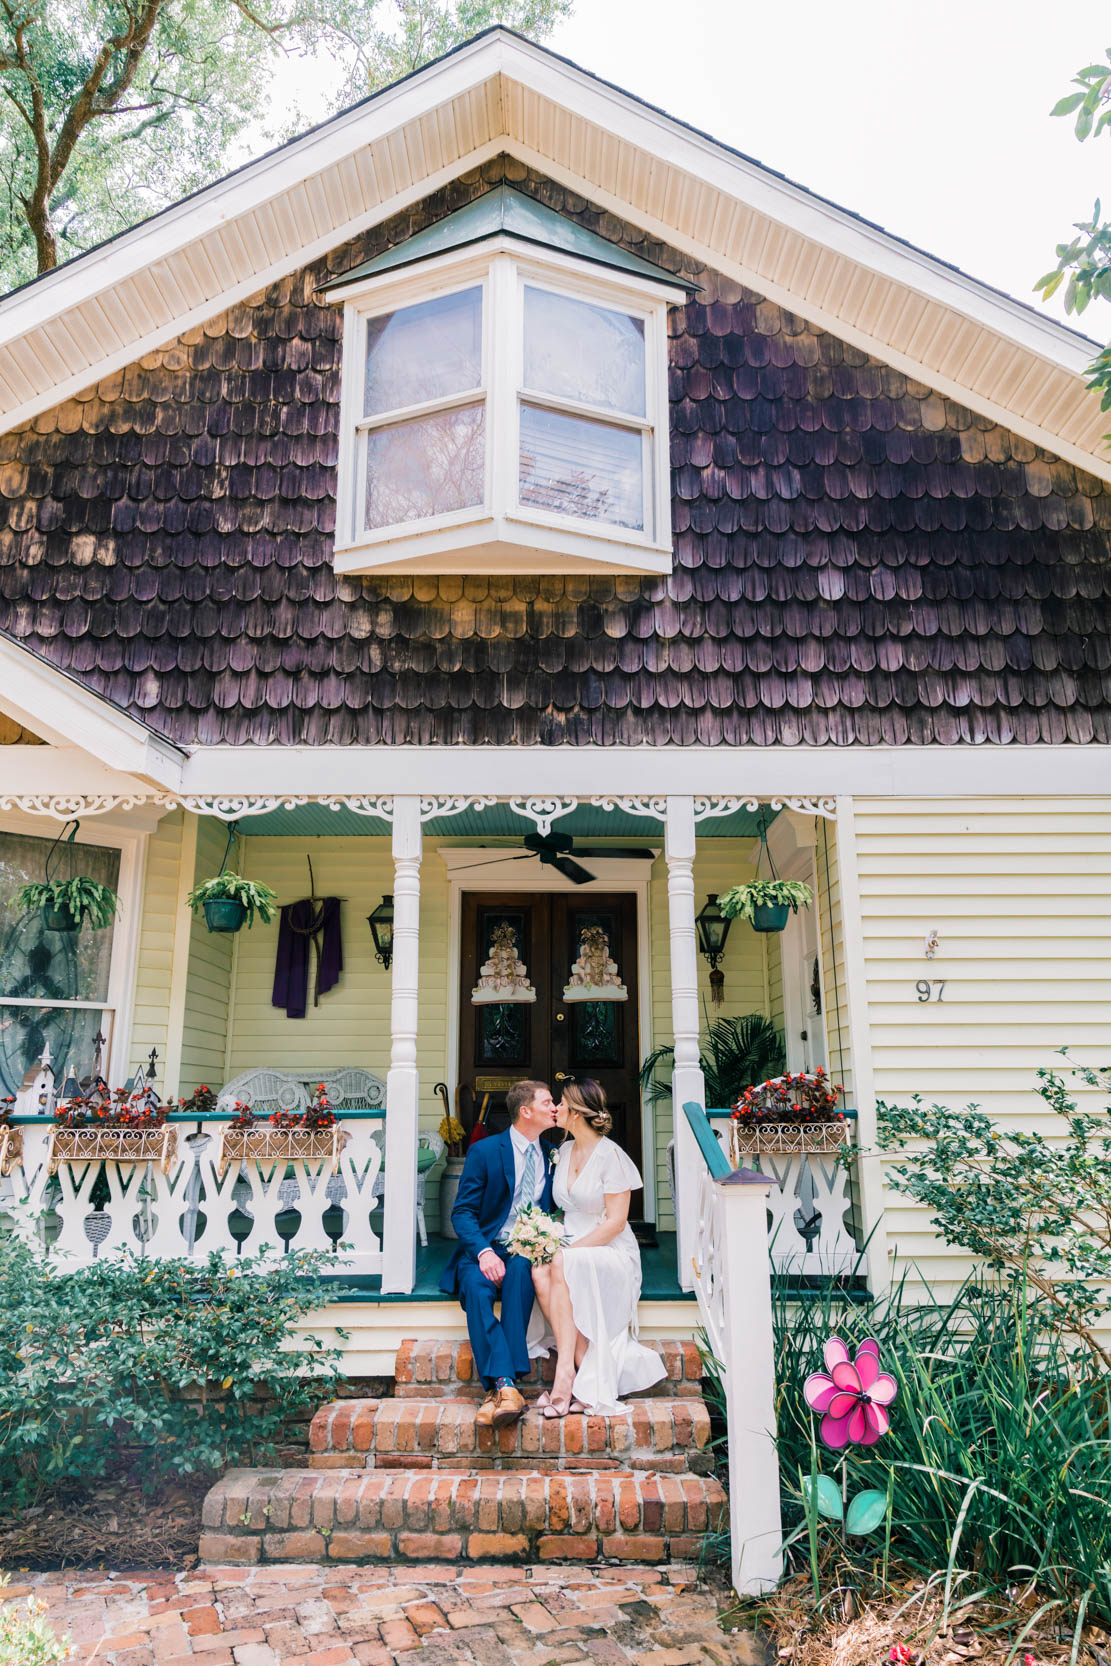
x=504, y=409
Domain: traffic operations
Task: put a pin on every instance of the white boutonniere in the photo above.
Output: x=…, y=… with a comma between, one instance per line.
x=553, y=1155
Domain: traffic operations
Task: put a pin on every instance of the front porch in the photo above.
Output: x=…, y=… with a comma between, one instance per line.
x=203, y=1004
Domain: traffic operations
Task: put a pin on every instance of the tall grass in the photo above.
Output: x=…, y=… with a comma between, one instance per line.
x=999, y=1452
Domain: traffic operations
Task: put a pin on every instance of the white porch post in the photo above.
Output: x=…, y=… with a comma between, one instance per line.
x=399, y=1256
x=686, y=1081
x=756, y=1525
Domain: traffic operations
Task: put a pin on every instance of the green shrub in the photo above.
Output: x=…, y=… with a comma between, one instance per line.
x=183, y=1367
x=999, y=1452
x=25, y=1637
x=1035, y=1205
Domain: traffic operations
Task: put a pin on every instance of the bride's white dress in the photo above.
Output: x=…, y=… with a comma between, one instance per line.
x=604, y=1280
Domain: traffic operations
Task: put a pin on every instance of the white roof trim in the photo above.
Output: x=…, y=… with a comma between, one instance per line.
x=64, y=713
x=501, y=93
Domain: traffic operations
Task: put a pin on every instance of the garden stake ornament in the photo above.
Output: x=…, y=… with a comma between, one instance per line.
x=852, y=1397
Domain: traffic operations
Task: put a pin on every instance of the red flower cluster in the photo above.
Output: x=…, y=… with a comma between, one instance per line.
x=244, y=1116
x=793, y=1099
x=100, y=1108
x=318, y=1115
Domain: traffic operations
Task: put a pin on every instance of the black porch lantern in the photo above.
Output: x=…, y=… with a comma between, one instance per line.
x=381, y=929
x=713, y=929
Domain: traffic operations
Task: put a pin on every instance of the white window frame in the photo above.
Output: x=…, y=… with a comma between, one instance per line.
x=501, y=534
x=119, y=999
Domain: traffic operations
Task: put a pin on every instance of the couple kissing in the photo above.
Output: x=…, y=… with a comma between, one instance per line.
x=583, y=1302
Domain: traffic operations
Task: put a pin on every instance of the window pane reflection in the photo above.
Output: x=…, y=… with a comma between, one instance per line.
x=428, y=466
x=423, y=352
x=580, y=351
x=574, y=466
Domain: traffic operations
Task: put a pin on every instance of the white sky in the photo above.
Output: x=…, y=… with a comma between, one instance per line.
x=930, y=119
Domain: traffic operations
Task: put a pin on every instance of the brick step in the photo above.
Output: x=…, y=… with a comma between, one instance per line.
x=361, y=1515
x=429, y=1370
x=663, y=1435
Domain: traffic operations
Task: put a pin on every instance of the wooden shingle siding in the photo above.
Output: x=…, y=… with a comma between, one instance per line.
x=1020, y=893
x=858, y=560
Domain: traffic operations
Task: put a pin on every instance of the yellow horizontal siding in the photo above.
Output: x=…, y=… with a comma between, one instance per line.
x=208, y=974
x=151, y=1012
x=1020, y=893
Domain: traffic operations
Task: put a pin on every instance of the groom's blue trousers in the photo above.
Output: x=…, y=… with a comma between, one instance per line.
x=498, y=1346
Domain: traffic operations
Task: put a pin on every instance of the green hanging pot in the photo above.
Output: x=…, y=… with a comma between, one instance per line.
x=770, y=916
x=224, y=914
x=60, y=919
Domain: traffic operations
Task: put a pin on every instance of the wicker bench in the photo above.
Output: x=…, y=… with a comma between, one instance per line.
x=348, y=1088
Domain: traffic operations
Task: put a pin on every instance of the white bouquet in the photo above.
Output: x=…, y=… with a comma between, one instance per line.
x=535, y=1235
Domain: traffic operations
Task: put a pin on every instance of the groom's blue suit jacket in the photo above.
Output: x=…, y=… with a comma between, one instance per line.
x=484, y=1200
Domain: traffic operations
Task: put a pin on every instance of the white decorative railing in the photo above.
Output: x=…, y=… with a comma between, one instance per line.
x=809, y=1206
x=91, y=1208
x=733, y=1284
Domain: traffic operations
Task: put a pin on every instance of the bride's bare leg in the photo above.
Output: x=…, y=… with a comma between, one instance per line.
x=555, y=1304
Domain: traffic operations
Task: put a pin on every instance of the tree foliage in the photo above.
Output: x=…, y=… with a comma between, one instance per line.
x=1035, y=1205
x=1084, y=264
x=111, y=109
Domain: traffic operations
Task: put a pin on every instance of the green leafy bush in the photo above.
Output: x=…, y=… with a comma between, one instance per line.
x=999, y=1452
x=25, y=1637
x=180, y=1368
x=232, y=887
x=76, y=897
x=1037, y=1205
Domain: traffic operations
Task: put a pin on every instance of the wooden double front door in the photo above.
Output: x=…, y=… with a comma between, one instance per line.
x=549, y=1039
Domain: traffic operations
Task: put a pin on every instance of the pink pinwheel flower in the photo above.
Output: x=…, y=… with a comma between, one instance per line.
x=852, y=1397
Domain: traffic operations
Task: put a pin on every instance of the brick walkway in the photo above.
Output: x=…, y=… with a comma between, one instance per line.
x=432, y=1615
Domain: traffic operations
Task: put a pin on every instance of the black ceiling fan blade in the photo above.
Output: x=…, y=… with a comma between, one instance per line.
x=570, y=869
x=617, y=850
x=525, y=856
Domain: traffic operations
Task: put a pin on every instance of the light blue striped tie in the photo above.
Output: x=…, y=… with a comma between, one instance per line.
x=527, y=1193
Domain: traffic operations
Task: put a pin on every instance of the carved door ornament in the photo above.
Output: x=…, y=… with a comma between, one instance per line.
x=504, y=977
x=594, y=975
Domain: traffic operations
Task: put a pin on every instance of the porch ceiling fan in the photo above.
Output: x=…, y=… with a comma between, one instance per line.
x=554, y=851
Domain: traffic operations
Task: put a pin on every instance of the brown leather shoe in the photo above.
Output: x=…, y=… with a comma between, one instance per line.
x=484, y=1416
x=508, y=1407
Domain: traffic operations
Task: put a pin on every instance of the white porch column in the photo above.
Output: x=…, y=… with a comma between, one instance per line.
x=402, y=1084
x=756, y=1527
x=686, y=1081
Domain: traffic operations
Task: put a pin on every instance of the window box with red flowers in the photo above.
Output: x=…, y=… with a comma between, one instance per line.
x=311, y=1137
x=788, y=1115
x=104, y=1127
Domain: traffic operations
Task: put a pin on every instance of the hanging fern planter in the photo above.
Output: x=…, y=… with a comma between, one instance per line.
x=224, y=913
x=229, y=900
x=66, y=904
x=767, y=904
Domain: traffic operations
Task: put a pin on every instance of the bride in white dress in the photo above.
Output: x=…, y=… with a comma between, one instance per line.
x=589, y=1293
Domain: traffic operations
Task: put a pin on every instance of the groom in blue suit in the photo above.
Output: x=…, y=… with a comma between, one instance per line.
x=502, y=1174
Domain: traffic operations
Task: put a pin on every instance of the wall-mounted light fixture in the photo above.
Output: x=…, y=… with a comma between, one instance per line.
x=713, y=929
x=381, y=929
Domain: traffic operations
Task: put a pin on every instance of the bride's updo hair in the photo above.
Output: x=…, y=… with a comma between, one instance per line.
x=588, y=1099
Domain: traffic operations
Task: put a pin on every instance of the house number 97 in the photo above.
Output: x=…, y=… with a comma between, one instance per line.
x=931, y=991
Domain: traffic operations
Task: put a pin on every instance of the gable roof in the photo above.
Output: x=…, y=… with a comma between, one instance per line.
x=500, y=93
x=858, y=562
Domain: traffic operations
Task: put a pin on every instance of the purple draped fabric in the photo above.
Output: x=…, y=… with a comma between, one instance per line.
x=304, y=925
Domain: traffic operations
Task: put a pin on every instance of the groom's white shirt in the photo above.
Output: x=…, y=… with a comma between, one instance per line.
x=520, y=1148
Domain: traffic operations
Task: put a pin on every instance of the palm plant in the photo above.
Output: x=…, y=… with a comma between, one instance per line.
x=735, y=1053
